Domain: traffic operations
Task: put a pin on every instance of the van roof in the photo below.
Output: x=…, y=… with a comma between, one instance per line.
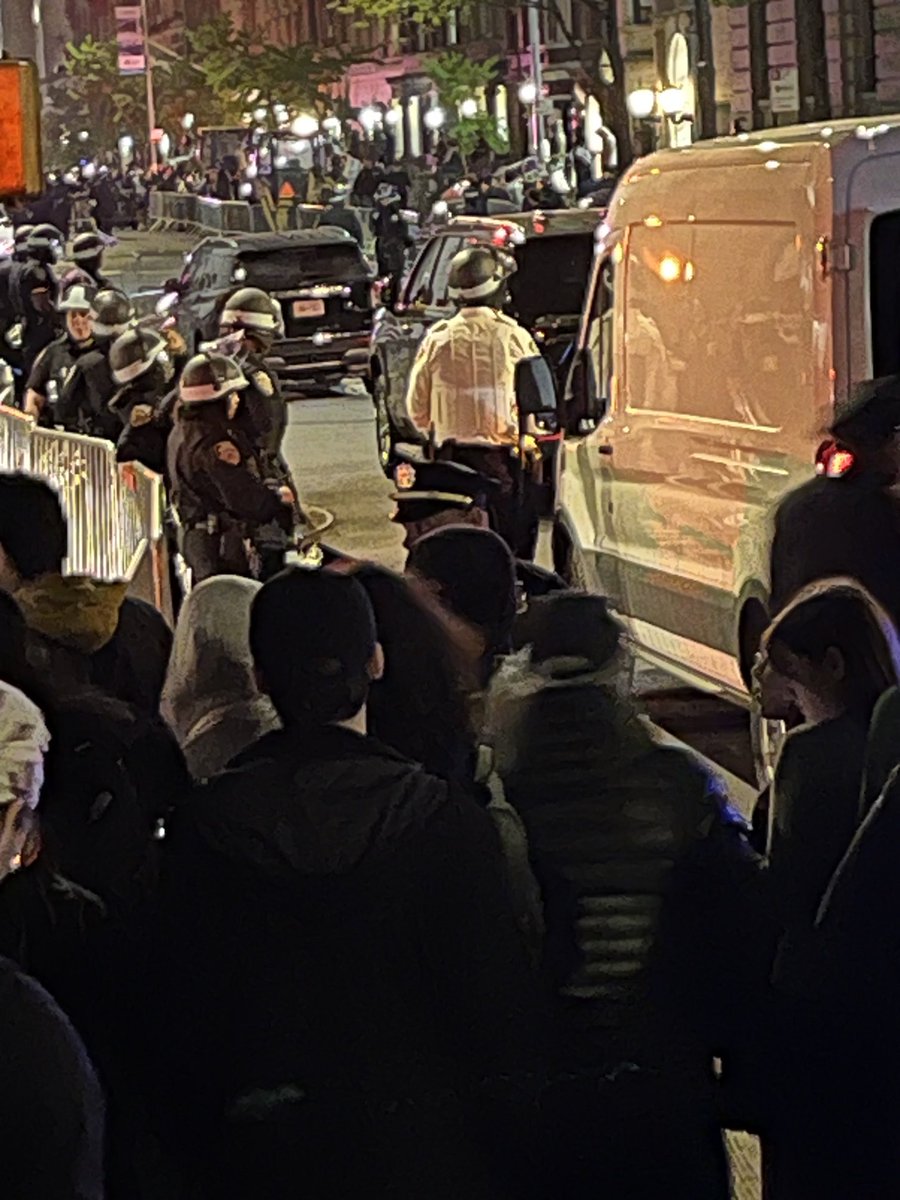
x=816, y=131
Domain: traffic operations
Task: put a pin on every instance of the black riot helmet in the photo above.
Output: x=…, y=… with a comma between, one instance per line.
x=208, y=377
x=88, y=247
x=45, y=243
x=139, y=356
x=20, y=242
x=112, y=313
x=253, y=311
x=478, y=276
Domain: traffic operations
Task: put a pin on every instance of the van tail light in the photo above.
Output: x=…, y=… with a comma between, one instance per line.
x=833, y=460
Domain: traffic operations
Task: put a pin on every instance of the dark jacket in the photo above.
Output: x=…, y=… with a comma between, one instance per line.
x=339, y=217
x=847, y=526
x=83, y=405
x=351, y=973
x=648, y=888
x=83, y=632
x=51, y=1106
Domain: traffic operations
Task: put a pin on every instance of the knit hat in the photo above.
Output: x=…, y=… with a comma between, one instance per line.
x=24, y=741
x=570, y=625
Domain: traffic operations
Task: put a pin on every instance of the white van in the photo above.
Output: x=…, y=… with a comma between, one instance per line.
x=739, y=286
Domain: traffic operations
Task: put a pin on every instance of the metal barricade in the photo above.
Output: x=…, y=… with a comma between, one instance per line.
x=114, y=512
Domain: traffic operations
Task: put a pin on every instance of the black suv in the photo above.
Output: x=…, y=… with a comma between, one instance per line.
x=553, y=250
x=319, y=277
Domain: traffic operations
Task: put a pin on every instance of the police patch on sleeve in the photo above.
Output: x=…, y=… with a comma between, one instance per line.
x=263, y=381
x=141, y=414
x=405, y=476
x=227, y=452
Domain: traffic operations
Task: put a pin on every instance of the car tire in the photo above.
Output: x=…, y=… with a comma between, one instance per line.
x=384, y=433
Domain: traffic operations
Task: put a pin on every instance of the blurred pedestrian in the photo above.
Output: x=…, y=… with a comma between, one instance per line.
x=51, y=1105
x=81, y=631
x=337, y=215
x=827, y=658
x=472, y=573
x=211, y=699
x=648, y=886
x=380, y=971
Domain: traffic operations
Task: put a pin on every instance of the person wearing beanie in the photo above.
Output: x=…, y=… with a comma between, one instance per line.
x=644, y=874
x=343, y=958
x=846, y=520
x=472, y=573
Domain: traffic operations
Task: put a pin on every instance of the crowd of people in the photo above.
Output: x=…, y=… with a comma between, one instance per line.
x=369, y=884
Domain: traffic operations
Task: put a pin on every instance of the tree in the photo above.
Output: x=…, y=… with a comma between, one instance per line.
x=458, y=78
x=604, y=80
x=91, y=96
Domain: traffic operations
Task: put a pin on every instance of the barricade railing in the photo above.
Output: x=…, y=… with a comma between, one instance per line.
x=114, y=511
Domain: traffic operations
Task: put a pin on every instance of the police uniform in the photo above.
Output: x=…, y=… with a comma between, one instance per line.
x=52, y=368
x=845, y=521
x=83, y=405
x=262, y=415
x=33, y=288
x=446, y=493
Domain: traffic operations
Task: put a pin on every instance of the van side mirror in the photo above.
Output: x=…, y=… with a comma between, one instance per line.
x=535, y=389
x=584, y=406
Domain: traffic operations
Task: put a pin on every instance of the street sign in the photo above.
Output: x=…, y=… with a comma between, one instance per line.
x=130, y=40
x=784, y=89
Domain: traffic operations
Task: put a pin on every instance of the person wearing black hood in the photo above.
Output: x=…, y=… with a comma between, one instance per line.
x=8, y=313
x=83, y=405
x=383, y=998
x=33, y=287
x=392, y=237
x=846, y=521
x=82, y=631
x=55, y=363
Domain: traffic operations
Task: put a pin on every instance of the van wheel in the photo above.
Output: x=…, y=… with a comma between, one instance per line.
x=383, y=432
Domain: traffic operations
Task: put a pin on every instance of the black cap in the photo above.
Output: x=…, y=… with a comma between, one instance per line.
x=570, y=625
x=312, y=635
x=426, y=488
x=871, y=414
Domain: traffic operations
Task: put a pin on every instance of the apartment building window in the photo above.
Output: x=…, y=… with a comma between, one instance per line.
x=641, y=12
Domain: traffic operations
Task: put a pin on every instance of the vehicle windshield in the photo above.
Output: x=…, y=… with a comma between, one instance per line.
x=278, y=270
x=884, y=248
x=552, y=276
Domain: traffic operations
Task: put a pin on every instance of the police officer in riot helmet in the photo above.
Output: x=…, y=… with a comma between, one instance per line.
x=250, y=322
x=462, y=393
x=392, y=237
x=55, y=363
x=9, y=314
x=34, y=292
x=87, y=254
x=142, y=370
x=83, y=405
x=846, y=520
x=214, y=476
x=338, y=216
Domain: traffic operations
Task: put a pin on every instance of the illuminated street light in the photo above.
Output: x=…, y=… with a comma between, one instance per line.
x=369, y=118
x=187, y=121
x=469, y=107
x=434, y=118
x=83, y=136
x=641, y=103
x=260, y=114
x=305, y=126
x=332, y=124
x=671, y=101
x=393, y=116
x=528, y=92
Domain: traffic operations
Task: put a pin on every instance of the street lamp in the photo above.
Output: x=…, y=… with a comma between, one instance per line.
x=369, y=118
x=528, y=92
x=332, y=124
x=260, y=114
x=671, y=103
x=469, y=107
x=393, y=116
x=187, y=121
x=305, y=125
x=641, y=103
x=434, y=118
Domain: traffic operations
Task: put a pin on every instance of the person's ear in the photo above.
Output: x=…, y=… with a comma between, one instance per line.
x=835, y=664
x=376, y=663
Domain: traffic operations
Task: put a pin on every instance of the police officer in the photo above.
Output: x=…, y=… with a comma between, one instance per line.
x=87, y=254
x=8, y=313
x=846, y=521
x=430, y=495
x=216, y=484
x=142, y=370
x=56, y=362
x=339, y=216
x=34, y=292
x=83, y=405
x=462, y=387
x=392, y=238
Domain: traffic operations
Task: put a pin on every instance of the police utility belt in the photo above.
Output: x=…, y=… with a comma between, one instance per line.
x=215, y=523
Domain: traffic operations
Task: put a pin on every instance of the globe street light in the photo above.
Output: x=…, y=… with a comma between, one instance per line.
x=434, y=118
x=671, y=102
x=305, y=125
x=393, y=116
x=369, y=118
x=528, y=92
x=641, y=103
x=260, y=114
x=187, y=121
x=469, y=107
